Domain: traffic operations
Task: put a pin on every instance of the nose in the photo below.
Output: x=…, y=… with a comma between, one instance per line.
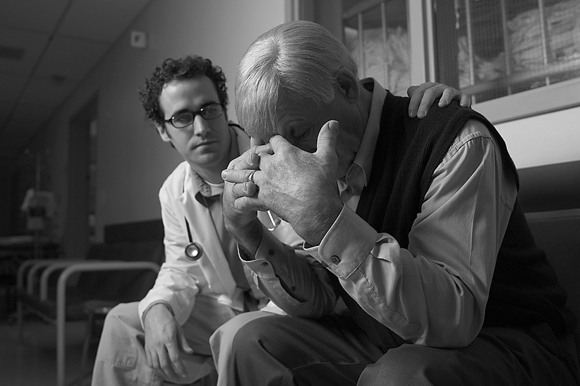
x=200, y=126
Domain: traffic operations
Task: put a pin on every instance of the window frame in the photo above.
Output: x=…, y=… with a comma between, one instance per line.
x=423, y=58
x=525, y=104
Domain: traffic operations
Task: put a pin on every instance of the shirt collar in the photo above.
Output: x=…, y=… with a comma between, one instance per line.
x=359, y=172
x=204, y=187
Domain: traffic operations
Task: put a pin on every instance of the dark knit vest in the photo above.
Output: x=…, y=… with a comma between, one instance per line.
x=524, y=289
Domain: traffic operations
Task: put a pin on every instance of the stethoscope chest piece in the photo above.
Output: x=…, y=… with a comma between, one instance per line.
x=193, y=251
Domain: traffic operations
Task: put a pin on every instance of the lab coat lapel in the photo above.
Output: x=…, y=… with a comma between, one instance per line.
x=213, y=263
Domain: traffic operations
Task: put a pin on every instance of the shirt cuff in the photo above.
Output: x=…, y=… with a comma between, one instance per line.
x=269, y=250
x=346, y=245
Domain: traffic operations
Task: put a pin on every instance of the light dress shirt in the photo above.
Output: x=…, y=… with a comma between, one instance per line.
x=181, y=279
x=433, y=292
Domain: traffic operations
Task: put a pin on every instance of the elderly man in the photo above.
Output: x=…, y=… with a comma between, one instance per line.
x=414, y=224
x=202, y=283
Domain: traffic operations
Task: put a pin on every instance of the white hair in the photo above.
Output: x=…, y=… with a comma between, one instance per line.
x=297, y=59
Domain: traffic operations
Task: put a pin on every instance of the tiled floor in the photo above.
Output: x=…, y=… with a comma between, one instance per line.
x=32, y=361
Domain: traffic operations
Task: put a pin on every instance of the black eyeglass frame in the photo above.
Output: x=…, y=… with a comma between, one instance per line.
x=202, y=111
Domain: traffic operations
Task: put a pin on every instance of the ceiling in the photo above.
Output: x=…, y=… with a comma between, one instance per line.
x=46, y=49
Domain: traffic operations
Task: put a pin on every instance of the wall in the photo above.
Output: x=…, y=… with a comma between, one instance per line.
x=132, y=161
x=543, y=139
x=546, y=150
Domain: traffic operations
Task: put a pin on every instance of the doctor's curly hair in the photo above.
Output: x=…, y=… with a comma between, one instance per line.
x=178, y=69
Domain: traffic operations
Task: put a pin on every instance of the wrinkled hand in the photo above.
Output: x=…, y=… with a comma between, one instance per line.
x=423, y=96
x=241, y=221
x=239, y=186
x=298, y=186
x=164, y=339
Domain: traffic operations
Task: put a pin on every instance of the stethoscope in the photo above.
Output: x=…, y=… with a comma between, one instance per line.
x=194, y=250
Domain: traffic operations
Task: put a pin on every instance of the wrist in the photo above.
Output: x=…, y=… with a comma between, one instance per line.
x=156, y=311
x=316, y=227
x=248, y=237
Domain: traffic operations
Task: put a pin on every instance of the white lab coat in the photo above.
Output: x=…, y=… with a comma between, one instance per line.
x=180, y=279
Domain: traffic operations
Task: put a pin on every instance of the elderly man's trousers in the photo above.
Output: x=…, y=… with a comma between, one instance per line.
x=283, y=351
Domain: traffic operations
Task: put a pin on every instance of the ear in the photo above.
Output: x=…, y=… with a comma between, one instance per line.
x=348, y=85
x=163, y=133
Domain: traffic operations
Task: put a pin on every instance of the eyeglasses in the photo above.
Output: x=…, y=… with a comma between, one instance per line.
x=186, y=118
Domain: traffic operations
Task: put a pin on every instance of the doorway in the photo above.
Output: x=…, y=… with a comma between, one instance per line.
x=81, y=181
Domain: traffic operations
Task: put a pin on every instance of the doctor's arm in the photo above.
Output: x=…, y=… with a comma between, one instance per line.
x=169, y=303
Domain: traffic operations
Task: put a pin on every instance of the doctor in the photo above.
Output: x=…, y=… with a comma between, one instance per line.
x=202, y=283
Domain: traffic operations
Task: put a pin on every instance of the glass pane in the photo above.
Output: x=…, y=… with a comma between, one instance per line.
x=509, y=46
x=381, y=29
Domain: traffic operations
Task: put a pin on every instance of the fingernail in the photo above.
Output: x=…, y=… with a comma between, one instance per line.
x=224, y=174
x=333, y=127
x=411, y=113
x=253, y=159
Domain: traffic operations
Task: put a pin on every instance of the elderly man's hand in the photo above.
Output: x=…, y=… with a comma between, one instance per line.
x=298, y=186
x=240, y=200
x=240, y=192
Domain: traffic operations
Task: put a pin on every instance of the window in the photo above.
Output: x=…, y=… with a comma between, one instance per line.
x=497, y=48
x=380, y=28
x=517, y=58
